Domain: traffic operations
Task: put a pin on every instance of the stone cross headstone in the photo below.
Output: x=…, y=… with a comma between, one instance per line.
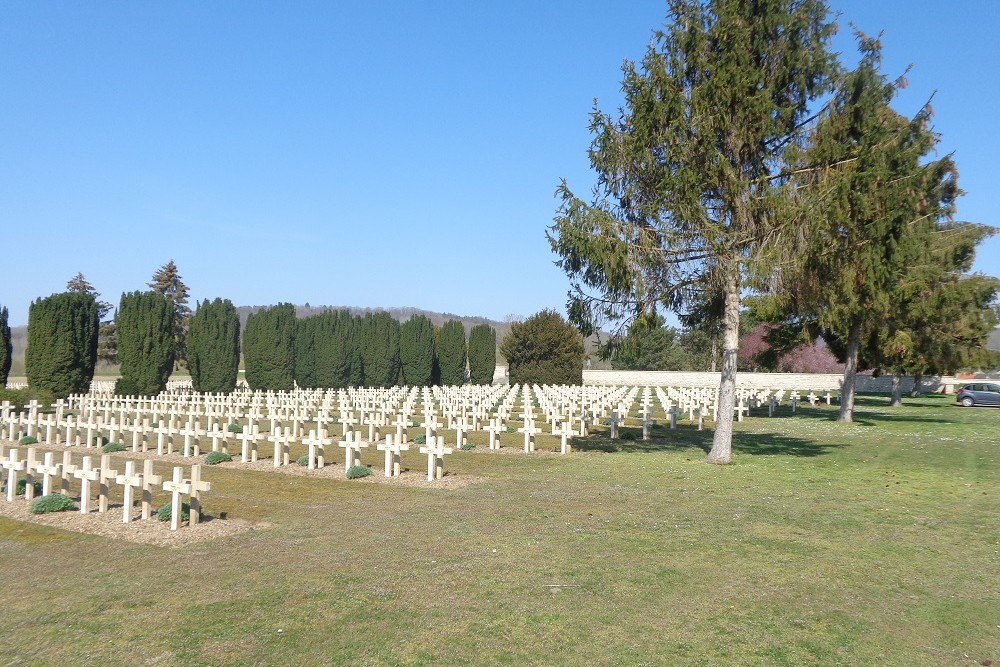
x=435, y=458
x=176, y=487
x=12, y=465
x=86, y=474
x=130, y=480
x=198, y=485
x=149, y=482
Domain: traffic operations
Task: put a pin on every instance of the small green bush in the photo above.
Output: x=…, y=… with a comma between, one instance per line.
x=163, y=514
x=54, y=502
x=356, y=472
x=113, y=447
x=22, y=482
x=467, y=446
x=628, y=435
x=511, y=429
x=214, y=458
x=303, y=460
x=420, y=439
x=235, y=428
x=28, y=440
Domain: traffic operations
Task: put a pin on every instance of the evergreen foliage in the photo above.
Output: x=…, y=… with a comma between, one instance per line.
x=54, y=502
x=213, y=341
x=482, y=354
x=167, y=281
x=269, y=348
x=6, y=347
x=544, y=349
x=62, y=343
x=145, y=343
x=416, y=351
x=690, y=189
x=451, y=353
x=379, y=347
x=107, y=345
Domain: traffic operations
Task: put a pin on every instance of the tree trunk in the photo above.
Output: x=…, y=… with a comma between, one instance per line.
x=714, y=352
x=722, y=440
x=917, y=380
x=897, y=390
x=850, y=374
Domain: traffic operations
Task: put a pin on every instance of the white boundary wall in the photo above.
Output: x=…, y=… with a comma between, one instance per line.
x=789, y=381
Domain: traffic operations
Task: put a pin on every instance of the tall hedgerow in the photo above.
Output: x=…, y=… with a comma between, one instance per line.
x=6, y=347
x=62, y=343
x=482, y=354
x=416, y=351
x=451, y=353
x=269, y=348
x=144, y=326
x=213, y=346
x=379, y=347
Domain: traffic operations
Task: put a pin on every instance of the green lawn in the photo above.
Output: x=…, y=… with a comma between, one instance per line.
x=873, y=543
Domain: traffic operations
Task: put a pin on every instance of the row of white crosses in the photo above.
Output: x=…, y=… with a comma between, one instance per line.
x=104, y=476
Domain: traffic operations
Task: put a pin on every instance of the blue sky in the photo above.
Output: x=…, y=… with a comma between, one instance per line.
x=369, y=154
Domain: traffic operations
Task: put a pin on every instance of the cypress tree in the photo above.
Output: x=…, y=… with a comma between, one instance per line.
x=62, y=343
x=144, y=326
x=335, y=354
x=305, y=351
x=167, y=281
x=379, y=346
x=416, y=351
x=544, y=349
x=269, y=348
x=213, y=342
x=451, y=353
x=482, y=354
x=6, y=347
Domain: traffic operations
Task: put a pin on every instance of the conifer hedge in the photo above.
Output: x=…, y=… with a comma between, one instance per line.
x=62, y=343
x=144, y=326
x=269, y=348
x=379, y=347
x=213, y=346
x=482, y=354
x=416, y=351
x=451, y=353
x=6, y=348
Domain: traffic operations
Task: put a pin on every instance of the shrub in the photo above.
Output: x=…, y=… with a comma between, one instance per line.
x=303, y=460
x=100, y=441
x=214, y=458
x=356, y=472
x=163, y=514
x=235, y=428
x=22, y=482
x=420, y=439
x=511, y=429
x=467, y=446
x=628, y=435
x=544, y=349
x=28, y=440
x=113, y=447
x=54, y=502
x=18, y=398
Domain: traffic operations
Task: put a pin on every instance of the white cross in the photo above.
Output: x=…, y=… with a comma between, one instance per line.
x=12, y=465
x=86, y=475
x=49, y=470
x=176, y=487
x=149, y=481
x=529, y=430
x=392, y=450
x=107, y=475
x=130, y=481
x=435, y=451
x=495, y=428
x=197, y=486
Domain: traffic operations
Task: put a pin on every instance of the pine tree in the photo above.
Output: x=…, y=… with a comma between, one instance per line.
x=269, y=348
x=482, y=354
x=544, y=349
x=145, y=325
x=379, y=346
x=62, y=343
x=214, y=346
x=691, y=181
x=451, y=353
x=167, y=281
x=416, y=351
x=305, y=351
x=6, y=348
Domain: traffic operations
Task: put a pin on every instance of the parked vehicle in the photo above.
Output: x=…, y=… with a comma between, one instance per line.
x=979, y=393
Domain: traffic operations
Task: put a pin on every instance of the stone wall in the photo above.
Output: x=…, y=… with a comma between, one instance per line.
x=789, y=381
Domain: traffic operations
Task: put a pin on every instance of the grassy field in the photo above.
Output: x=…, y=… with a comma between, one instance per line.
x=873, y=543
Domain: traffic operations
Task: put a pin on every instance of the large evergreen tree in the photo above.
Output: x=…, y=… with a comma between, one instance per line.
x=305, y=351
x=167, y=281
x=690, y=178
x=416, y=351
x=62, y=343
x=213, y=341
x=482, y=354
x=145, y=331
x=544, y=349
x=451, y=353
x=107, y=345
x=379, y=346
x=6, y=348
x=269, y=348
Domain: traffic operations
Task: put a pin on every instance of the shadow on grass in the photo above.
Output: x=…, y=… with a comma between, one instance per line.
x=868, y=411
x=665, y=440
